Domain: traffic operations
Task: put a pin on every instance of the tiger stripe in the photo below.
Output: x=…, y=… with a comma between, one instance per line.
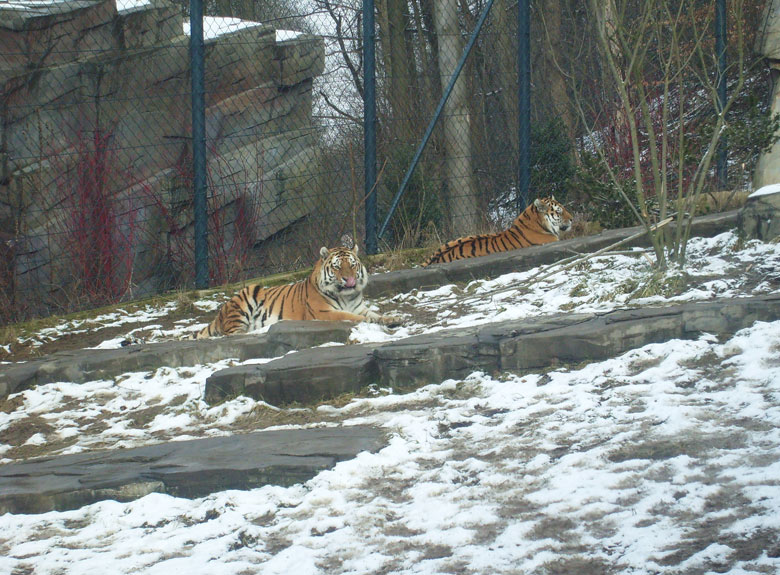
x=333, y=291
x=540, y=223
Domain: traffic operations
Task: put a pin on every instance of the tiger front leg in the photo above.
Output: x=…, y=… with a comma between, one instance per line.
x=388, y=320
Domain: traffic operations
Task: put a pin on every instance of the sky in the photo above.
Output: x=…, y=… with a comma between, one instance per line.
x=665, y=459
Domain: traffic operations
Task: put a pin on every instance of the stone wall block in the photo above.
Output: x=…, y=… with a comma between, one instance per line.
x=47, y=34
x=299, y=59
x=43, y=113
x=759, y=218
x=254, y=116
x=143, y=101
x=147, y=26
x=238, y=62
x=289, y=192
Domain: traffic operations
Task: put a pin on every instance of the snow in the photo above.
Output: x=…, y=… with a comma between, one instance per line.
x=663, y=460
x=131, y=5
x=766, y=190
x=215, y=26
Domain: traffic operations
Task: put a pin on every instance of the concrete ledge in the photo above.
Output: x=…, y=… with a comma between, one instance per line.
x=316, y=374
x=91, y=364
x=322, y=373
x=180, y=468
x=494, y=265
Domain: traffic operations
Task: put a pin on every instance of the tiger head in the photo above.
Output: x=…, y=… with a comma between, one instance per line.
x=341, y=273
x=553, y=217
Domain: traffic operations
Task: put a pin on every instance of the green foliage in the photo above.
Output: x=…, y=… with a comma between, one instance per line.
x=421, y=204
x=751, y=130
x=552, y=164
x=603, y=200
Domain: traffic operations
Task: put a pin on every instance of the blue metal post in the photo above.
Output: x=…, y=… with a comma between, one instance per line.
x=199, y=144
x=369, y=123
x=524, y=102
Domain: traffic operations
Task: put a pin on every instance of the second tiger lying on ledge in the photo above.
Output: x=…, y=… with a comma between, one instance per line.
x=540, y=223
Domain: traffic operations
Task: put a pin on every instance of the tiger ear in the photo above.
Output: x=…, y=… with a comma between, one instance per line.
x=324, y=252
x=538, y=204
x=355, y=250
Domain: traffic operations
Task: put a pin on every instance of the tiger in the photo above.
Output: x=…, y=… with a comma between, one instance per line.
x=540, y=223
x=333, y=291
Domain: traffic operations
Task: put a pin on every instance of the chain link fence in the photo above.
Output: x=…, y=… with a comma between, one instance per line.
x=96, y=154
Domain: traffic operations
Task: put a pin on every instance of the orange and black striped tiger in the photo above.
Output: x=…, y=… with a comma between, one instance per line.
x=333, y=291
x=540, y=223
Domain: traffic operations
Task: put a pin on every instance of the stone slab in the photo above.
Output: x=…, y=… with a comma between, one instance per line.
x=759, y=218
x=190, y=469
x=323, y=373
x=494, y=265
x=90, y=364
x=521, y=345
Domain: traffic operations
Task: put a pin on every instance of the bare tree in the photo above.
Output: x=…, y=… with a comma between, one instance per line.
x=660, y=60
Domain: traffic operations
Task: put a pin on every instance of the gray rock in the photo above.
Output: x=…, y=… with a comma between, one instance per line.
x=323, y=373
x=315, y=374
x=90, y=364
x=759, y=218
x=182, y=468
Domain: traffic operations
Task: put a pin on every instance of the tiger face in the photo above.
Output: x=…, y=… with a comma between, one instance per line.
x=342, y=274
x=553, y=216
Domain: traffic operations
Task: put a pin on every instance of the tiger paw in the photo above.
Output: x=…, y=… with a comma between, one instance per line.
x=391, y=320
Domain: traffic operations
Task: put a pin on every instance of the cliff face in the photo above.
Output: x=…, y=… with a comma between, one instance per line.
x=768, y=167
x=95, y=102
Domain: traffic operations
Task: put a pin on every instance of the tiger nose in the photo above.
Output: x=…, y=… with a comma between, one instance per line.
x=350, y=281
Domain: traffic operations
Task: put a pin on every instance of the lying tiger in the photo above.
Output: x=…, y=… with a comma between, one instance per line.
x=333, y=291
x=540, y=223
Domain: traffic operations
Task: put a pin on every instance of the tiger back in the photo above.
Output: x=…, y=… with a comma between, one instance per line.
x=333, y=291
x=540, y=223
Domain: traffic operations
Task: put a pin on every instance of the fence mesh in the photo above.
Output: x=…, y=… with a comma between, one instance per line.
x=96, y=148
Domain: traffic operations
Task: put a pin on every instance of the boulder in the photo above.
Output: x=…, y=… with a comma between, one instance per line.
x=760, y=216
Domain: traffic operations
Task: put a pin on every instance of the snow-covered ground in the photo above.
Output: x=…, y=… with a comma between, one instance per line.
x=663, y=460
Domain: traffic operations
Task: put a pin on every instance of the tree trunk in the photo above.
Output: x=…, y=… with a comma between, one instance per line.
x=399, y=61
x=556, y=82
x=507, y=65
x=462, y=195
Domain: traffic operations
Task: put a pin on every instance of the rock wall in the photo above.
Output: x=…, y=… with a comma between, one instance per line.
x=768, y=167
x=83, y=83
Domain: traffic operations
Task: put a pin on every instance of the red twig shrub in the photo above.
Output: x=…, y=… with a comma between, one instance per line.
x=96, y=226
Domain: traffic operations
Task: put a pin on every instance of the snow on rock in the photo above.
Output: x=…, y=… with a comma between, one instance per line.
x=766, y=190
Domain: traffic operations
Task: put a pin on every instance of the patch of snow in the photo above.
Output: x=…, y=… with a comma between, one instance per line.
x=131, y=5
x=216, y=26
x=766, y=190
x=517, y=474
x=282, y=35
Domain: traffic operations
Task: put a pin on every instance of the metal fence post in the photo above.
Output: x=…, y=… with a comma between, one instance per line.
x=720, y=48
x=199, y=144
x=369, y=124
x=523, y=102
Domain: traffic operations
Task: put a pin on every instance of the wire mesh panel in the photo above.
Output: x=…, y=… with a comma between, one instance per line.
x=96, y=147
x=95, y=126
x=97, y=202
